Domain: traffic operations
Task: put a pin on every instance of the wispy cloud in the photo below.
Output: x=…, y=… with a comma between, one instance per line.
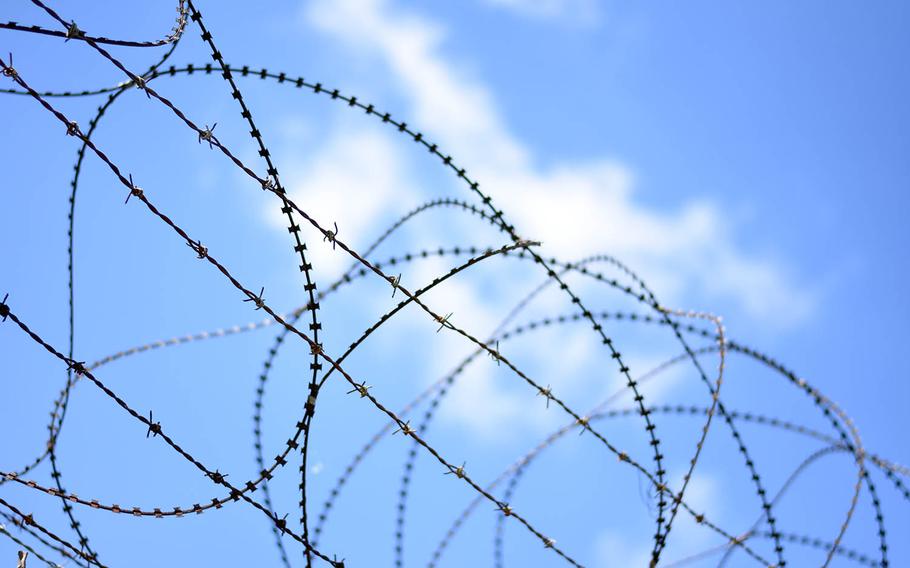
x=325, y=182
x=616, y=547
x=575, y=208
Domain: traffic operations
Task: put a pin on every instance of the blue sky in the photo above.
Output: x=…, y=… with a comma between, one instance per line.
x=749, y=161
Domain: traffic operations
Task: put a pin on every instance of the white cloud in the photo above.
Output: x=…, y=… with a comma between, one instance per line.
x=615, y=547
x=482, y=407
x=574, y=208
x=583, y=209
x=479, y=402
x=361, y=166
x=445, y=101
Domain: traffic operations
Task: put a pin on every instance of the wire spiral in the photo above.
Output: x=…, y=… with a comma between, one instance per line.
x=763, y=540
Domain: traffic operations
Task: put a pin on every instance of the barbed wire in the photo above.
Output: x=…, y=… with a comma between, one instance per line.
x=670, y=499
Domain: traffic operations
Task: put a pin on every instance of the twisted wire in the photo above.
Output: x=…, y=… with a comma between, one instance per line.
x=670, y=500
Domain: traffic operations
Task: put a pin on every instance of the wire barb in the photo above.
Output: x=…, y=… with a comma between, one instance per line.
x=73, y=32
x=208, y=135
x=396, y=281
x=259, y=301
x=548, y=393
x=200, y=249
x=154, y=427
x=216, y=475
x=583, y=422
x=495, y=355
x=444, y=321
x=134, y=190
x=362, y=389
x=8, y=70
x=457, y=471
x=405, y=428
x=330, y=236
x=77, y=367
x=140, y=83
